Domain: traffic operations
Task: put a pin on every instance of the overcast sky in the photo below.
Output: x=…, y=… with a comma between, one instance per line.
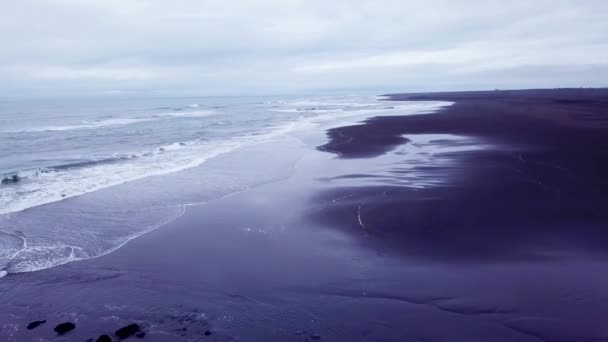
x=223, y=47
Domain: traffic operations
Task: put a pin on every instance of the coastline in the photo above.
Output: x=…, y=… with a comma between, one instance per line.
x=539, y=185
x=323, y=253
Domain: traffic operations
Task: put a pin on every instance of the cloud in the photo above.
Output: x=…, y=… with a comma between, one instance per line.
x=207, y=47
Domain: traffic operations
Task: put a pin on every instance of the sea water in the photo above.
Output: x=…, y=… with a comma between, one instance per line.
x=80, y=179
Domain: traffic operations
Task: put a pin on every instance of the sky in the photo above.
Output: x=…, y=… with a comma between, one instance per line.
x=79, y=48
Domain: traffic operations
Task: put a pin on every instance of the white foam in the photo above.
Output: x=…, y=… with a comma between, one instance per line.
x=111, y=122
x=39, y=188
x=85, y=125
x=190, y=114
x=50, y=187
x=326, y=108
x=46, y=187
x=39, y=256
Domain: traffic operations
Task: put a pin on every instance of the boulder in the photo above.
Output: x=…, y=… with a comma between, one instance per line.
x=104, y=338
x=127, y=331
x=64, y=328
x=35, y=324
x=11, y=179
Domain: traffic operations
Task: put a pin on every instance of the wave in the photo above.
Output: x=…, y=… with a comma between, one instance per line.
x=191, y=114
x=33, y=187
x=177, y=112
x=43, y=185
x=22, y=253
x=351, y=105
x=84, y=125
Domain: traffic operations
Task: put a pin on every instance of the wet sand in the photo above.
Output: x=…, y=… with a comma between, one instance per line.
x=538, y=192
x=485, y=222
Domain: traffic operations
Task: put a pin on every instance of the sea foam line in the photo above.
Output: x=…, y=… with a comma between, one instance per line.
x=182, y=209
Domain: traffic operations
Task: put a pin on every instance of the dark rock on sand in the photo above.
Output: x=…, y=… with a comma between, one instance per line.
x=315, y=337
x=64, y=328
x=35, y=324
x=9, y=180
x=127, y=331
x=140, y=335
x=208, y=333
x=104, y=338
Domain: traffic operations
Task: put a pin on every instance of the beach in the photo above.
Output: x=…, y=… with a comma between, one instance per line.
x=481, y=219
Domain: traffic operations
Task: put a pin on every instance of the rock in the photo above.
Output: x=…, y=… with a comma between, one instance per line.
x=127, y=331
x=35, y=324
x=140, y=335
x=3, y=274
x=64, y=328
x=11, y=179
x=208, y=333
x=315, y=337
x=104, y=338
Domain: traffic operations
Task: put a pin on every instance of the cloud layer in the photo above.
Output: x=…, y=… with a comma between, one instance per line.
x=212, y=47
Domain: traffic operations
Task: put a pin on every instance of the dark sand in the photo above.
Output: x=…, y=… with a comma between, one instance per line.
x=539, y=193
x=510, y=246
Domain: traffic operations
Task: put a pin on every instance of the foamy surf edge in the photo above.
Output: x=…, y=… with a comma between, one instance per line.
x=67, y=181
x=302, y=122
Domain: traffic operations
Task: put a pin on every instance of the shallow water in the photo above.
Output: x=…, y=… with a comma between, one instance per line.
x=254, y=266
x=93, y=176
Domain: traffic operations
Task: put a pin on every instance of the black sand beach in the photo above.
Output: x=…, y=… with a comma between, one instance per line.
x=498, y=236
x=538, y=192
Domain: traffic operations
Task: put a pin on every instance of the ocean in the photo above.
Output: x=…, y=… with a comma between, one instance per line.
x=80, y=179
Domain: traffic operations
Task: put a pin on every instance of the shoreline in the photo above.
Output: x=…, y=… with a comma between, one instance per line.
x=539, y=178
x=365, y=243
